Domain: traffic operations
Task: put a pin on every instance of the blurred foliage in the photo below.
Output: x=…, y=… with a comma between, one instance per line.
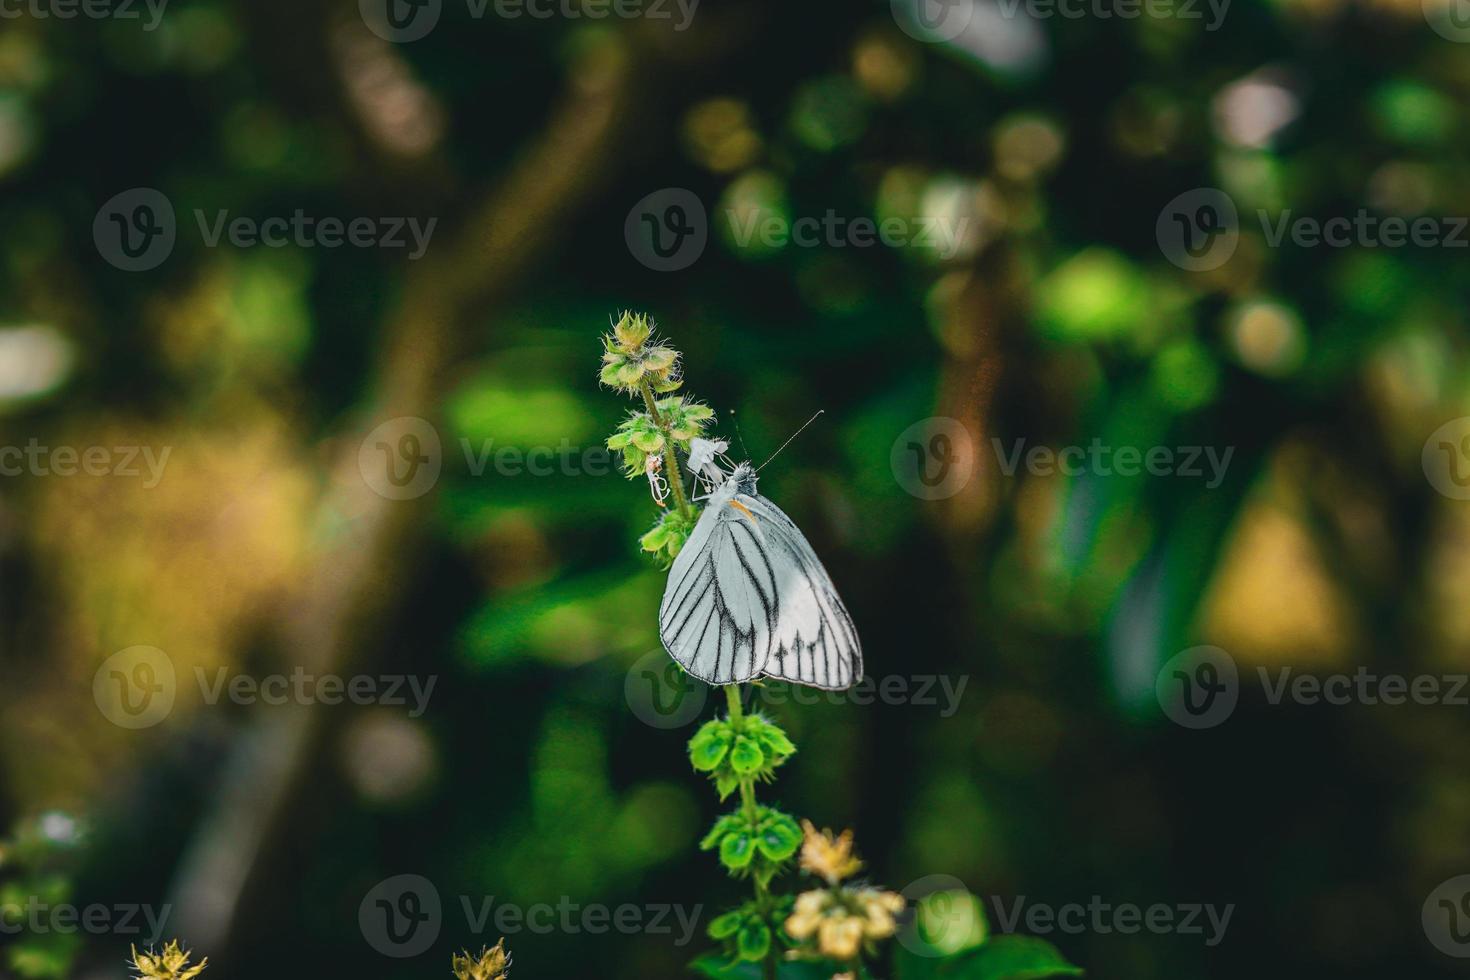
x=1049, y=148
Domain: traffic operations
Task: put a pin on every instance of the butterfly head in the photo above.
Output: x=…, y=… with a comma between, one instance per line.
x=743, y=479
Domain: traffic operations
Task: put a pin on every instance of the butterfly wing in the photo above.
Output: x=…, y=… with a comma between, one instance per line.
x=815, y=642
x=719, y=610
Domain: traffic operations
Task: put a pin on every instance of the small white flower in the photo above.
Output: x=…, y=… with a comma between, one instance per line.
x=702, y=455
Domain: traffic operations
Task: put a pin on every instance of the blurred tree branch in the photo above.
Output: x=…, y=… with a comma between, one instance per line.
x=351, y=588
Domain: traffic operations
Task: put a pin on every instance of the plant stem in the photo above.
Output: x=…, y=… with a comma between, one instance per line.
x=671, y=461
x=747, y=800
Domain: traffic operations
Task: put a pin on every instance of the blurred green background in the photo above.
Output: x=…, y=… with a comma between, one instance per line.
x=1055, y=144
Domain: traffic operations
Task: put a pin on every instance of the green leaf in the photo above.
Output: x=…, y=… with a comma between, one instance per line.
x=754, y=941
x=746, y=757
x=779, y=839
x=718, y=967
x=726, y=783
x=725, y=926
x=649, y=442
x=1011, y=958
x=737, y=849
x=653, y=541
x=710, y=745
x=774, y=740
x=658, y=358
x=722, y=827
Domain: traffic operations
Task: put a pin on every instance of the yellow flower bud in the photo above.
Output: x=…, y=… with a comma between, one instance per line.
x=171, y=964
x=491, y=964
x=840, y=936
x=632, y=330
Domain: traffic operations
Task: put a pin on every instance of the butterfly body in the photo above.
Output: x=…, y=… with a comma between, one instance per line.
x=747, y=596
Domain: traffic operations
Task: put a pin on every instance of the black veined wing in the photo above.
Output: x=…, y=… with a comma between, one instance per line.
x=747, y=596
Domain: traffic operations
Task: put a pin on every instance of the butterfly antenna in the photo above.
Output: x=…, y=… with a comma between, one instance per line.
x=789, y=441
x=736, y=424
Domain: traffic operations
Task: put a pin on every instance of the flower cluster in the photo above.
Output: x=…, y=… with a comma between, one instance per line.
x=630, y=359
x=635, y=363
x=730, y=750
x=755, y=842
x=640, y=436
x=171, y=964
x=840, y=921
x=491, y=964
x=758, y=843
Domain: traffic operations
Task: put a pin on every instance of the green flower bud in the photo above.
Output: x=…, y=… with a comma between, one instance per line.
x=659, y=358
x=632, y=330
x=754, y=942
x=725, y=926
x=746, y=757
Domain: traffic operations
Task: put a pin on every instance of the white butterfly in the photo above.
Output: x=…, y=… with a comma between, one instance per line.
x=747, y=597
